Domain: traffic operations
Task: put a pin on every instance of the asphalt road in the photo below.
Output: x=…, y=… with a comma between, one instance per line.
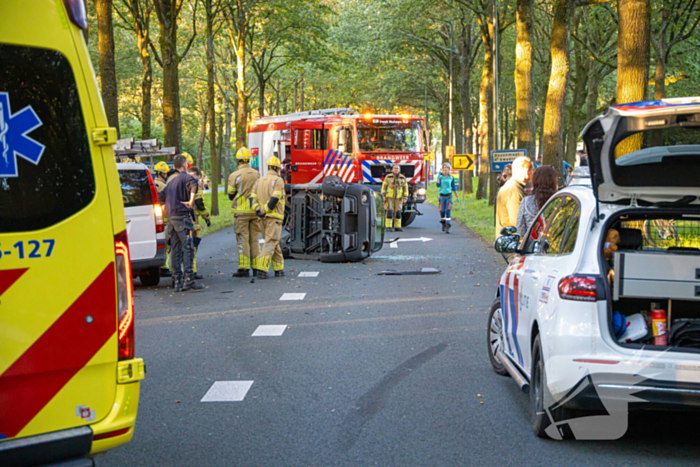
x=370, y=370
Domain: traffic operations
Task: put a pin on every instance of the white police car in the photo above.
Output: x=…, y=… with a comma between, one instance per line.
x=574, y=322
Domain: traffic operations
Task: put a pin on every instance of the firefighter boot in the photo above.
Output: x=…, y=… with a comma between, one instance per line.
x=279, y=273
x=262, y=274
x=242, y=273
x=190, y=284
x=447, y=228
x=444, y=224
x=177, y=285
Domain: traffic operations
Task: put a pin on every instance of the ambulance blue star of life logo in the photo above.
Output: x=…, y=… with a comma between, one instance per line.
x=14, y=141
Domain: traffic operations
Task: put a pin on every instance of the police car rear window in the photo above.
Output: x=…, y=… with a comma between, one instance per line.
x=46, y=172
x=136, y=189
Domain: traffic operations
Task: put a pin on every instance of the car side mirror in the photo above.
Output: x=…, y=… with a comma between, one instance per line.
x=510, y=230
x=507, y=243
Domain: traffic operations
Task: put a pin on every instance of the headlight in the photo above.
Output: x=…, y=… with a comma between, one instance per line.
x=364, y=198
x=421, y=192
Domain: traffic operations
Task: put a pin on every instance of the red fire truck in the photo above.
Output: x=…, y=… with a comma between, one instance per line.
x=342, y=143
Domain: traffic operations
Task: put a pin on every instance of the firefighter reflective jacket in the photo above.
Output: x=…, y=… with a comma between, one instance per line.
x=266, y=189
x=240, y=186
x=395, y=186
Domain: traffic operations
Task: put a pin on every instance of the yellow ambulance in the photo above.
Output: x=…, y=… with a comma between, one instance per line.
x=69, y=379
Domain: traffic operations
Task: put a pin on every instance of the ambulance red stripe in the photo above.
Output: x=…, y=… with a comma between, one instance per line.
x=64, y=349
x=9, y=277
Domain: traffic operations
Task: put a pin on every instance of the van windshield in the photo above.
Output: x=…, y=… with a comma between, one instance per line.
x=46, y=172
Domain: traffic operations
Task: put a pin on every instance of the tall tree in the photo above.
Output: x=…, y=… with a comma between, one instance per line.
x=469, y=46
x=168, y=12
x=210, y=11
x=140, y=11
x=633, y=44
x=679, y=20
x=553, y=150
x=524, y=73
x=108, y=72
x=240, y=16
x=633, y=41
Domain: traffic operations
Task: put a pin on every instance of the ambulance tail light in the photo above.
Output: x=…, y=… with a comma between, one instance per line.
x=125, y=297
x=157, y=209
x=580, y=288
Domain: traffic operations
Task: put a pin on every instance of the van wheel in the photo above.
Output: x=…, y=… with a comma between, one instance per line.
x=150, y=278
x=407, y=218
x=495, y=336
x=333, y=185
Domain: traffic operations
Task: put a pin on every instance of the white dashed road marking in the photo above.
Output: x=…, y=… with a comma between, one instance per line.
x=308, y=274
x=293, y=296
x=270, y=330
x=394, y=245
x=227, y=391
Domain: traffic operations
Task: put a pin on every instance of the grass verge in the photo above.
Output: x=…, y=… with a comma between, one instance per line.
x=225, y=217
x=473, y=213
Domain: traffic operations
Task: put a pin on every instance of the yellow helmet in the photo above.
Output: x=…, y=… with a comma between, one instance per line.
x=243, y=154
x=190, y=160
x=161, y=167
x=274, y=162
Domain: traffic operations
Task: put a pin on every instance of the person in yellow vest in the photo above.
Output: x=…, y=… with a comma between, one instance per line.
x=268, y=199
x=395, y=191
x=200, y=210
x=246, y=224
x=161, y=169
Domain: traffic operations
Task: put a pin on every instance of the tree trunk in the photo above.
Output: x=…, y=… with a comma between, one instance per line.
x=301, y=95
x=211, y=105
x=660, y=78
x=633, y=40
x=146, y=84
x=592, y=95
x=202, y=134
x=227, y=140
x=167, y=21
x=261, y=99
x=524, y=91
x=467, y=117
x=242, y=111
x=108, y=73
x=485, y=111
x=553, y=149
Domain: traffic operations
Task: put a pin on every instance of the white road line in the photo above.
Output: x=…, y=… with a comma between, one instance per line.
x=266, y=330
x=394, y=245
x=293, y=296
x=308, y=274
x=227, y=391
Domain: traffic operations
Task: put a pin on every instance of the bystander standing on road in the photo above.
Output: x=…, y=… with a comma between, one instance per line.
x=447, y=184
x=544, y=185
x=510, y=195
x=504, y=176
x=178, y=197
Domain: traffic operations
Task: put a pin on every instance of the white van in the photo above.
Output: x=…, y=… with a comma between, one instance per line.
x=144, y=222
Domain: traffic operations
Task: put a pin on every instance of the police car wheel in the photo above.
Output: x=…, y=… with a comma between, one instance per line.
x=494, y=332
x=540, y=398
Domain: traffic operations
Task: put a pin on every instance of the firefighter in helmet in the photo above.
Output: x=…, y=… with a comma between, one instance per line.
x=161, y=169
x=268, y=196
x=246, y=224
x=395, y=191
x=190, y=160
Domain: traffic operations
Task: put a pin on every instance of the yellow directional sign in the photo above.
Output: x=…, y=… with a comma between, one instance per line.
x=463, y=161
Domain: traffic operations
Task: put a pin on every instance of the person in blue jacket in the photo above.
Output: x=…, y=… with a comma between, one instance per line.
x=447, y=184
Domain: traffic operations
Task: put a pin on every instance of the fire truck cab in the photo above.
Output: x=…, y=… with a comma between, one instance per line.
x=340, y=142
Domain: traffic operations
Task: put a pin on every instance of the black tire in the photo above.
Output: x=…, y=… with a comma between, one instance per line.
x=332, y=258
x=494, y=337
x=333, y=185
x=150, y=278
x=540, y=397
x=407, y=218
